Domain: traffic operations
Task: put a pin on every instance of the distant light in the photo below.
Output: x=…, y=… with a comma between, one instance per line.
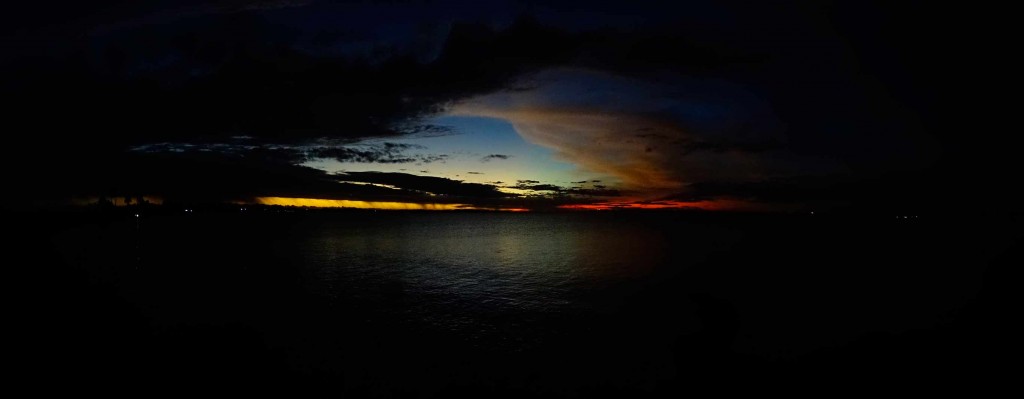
x=136, y=215
x=904, y=217
x=812, y=212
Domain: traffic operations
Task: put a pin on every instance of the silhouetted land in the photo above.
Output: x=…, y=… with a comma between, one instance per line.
x=492, y=304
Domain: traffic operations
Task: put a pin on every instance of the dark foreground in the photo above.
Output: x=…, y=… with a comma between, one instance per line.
x=478, y=304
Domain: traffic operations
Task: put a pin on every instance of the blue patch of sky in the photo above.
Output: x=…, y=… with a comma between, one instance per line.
x=473, y=139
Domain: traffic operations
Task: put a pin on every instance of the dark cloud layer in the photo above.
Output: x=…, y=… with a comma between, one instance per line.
x=491, y=157
x=197, y=79
x=536, y=188
x=854, y=94
x=384, y=153
x=425, y=184
x=203, y=176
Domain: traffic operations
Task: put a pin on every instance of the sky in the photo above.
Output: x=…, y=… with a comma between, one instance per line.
x=716, y=105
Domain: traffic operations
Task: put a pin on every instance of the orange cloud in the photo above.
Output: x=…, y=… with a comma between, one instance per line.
x=624, y=132
x=594, y=141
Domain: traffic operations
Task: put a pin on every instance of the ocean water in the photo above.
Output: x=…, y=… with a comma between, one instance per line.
x=441, y=304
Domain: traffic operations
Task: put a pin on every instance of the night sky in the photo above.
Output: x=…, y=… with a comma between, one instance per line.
x=721, y=105
x=731, y=195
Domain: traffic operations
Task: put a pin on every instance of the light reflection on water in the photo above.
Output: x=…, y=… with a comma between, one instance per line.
x=474, y=273
x=583, y=291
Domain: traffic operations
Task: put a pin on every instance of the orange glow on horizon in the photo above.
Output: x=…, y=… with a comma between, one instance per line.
x=332, y=203
x=709, y=205
x=379, y=205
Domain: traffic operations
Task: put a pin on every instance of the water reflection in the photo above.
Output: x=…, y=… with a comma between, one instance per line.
x=463, y=272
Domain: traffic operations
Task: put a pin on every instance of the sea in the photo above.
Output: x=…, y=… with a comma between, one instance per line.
x=489, y=304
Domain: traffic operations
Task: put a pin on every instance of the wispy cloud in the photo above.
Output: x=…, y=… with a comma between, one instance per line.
x=653, y=141
x=383, y=153
x=425, y=184
x=492, y=157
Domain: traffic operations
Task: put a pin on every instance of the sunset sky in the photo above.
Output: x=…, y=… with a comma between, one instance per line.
x=491, y=105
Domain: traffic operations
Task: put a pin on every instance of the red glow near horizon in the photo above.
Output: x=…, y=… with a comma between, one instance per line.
x=713, y=205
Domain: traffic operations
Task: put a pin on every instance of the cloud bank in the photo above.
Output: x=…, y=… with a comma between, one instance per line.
x=654, y=141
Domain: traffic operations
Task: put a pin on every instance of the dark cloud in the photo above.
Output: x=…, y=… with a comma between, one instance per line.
x=828, y=89
x=241, y=74
x=211, y=176
x=208, y=176
x=191, y=80
x=384, y=153
x=537, y=187
x=426, y=184
x=597, y=191
x=492, y=157
x=542, y=189
x=433, y=158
